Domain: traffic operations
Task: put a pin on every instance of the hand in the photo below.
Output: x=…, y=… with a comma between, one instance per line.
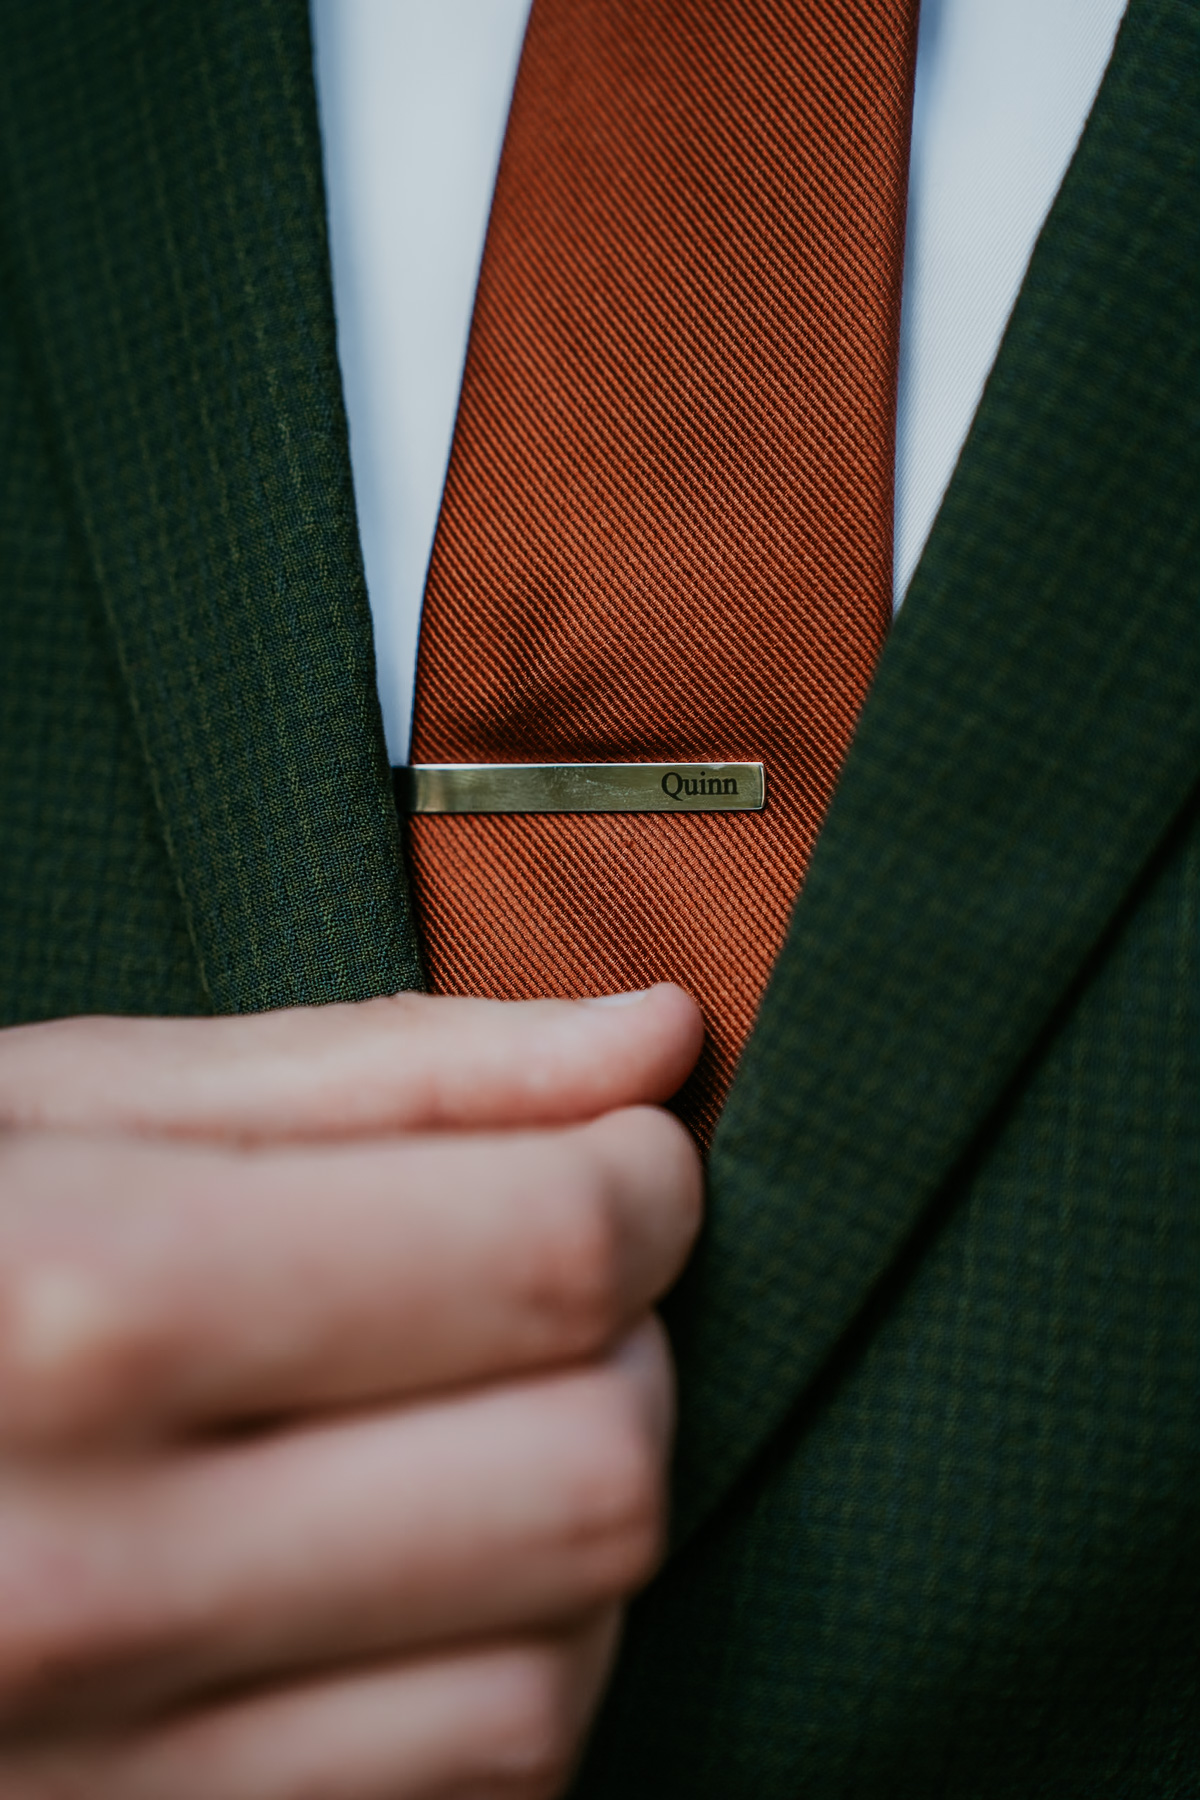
x=332, y=1418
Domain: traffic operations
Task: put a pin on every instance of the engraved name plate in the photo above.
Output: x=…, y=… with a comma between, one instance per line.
x=581, y=787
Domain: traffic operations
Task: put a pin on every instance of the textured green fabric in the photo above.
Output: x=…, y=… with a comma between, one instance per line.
x=970, y=1565
x=90, y=912
x=1034, y=728
x=169, y=299
x=940, y=1351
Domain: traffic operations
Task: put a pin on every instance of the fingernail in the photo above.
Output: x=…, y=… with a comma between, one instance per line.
x=616, y=999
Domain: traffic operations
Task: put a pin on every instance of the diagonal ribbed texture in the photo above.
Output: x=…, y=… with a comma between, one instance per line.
x=667, y=529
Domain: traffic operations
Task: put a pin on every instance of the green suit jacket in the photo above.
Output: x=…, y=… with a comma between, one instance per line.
x=938, y=1475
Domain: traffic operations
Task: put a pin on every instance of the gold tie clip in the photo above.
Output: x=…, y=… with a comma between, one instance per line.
x=580, y=787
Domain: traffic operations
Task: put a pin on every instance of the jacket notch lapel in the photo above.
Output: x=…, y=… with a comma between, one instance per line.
x=1033, y=731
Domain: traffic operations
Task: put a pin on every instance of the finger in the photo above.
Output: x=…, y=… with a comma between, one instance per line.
x=147, y=1288
x=501, y=1719
x=405, y=1062
x=131, y=1587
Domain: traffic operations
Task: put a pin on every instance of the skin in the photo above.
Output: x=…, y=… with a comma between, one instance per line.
x=334, y=1415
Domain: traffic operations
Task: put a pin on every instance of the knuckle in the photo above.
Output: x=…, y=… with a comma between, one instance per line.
x=79, y=1612
x=59, y=1340
x=43, y=1637
x=64, y=1331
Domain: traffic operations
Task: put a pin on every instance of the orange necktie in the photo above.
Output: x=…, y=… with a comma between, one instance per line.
x=667, y=526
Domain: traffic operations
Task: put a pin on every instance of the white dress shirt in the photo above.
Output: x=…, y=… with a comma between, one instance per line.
x=414, y=95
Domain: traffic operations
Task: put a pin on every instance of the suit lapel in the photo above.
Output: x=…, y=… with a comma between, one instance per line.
x=165, y=226
x=1034, y=728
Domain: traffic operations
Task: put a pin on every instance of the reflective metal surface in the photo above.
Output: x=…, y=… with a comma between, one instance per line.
x=580, y=787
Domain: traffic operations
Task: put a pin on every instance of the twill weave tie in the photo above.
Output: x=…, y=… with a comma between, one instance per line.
x=667, y=526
